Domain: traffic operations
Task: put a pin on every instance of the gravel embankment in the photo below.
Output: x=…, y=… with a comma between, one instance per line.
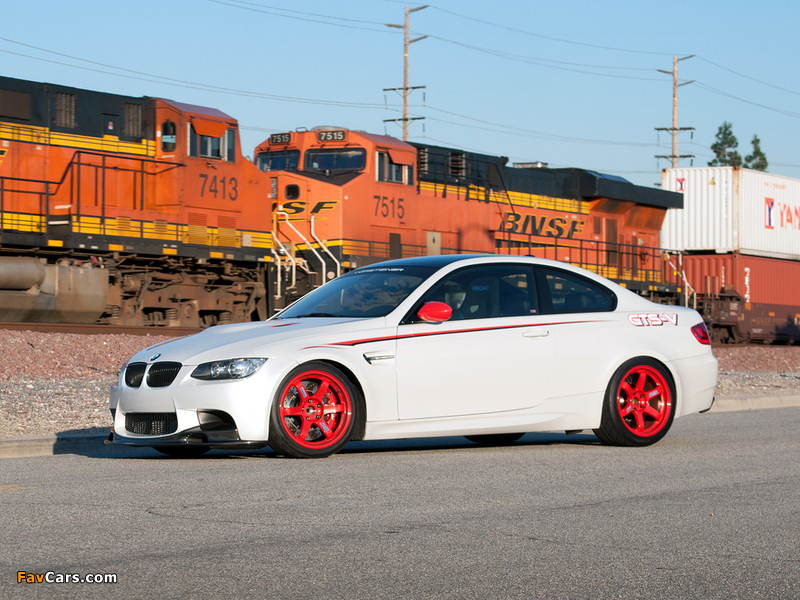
x=58, y=383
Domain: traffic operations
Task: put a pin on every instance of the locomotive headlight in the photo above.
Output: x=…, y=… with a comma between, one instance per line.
x=235, y=368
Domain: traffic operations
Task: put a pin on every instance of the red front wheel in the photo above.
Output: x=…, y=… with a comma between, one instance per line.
x=639, y=405
x=314, y=412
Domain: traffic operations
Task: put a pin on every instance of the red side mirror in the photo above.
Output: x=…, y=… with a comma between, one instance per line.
x=435, y=312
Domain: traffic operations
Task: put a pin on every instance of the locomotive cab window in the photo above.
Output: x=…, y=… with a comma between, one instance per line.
x=387, y=170
x=211, y=146
x=278, y=160
x=169, y=136
x=335, y=160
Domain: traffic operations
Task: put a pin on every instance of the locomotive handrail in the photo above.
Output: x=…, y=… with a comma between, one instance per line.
x=289, y=256
x=626, y=269
x=52, y=187
x=686, y=285
x=59, y=182
x=278, y=278
x=302, y=237
x=325, y=248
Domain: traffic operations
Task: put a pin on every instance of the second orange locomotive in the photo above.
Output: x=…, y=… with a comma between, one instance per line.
x=344, y=198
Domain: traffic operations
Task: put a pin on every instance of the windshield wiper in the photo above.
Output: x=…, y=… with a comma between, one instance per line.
x=318, y=314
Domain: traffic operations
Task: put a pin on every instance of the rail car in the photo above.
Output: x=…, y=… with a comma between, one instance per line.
x=127, y=210
x=738, y=235
x=344, y=198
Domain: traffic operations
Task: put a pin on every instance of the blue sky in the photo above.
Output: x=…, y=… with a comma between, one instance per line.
x=570, y=83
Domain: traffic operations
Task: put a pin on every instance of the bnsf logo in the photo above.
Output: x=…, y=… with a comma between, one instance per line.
x=296, y=207
x=653, y=319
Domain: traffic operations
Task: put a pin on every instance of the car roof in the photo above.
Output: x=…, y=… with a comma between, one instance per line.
x=442, y=260
x=436, y=261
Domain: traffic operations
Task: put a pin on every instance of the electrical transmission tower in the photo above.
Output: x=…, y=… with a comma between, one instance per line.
x=675, y=129
x=406, y=89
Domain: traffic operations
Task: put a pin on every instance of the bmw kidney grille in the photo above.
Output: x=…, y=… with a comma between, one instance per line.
x=134, y=373
x=160, y=374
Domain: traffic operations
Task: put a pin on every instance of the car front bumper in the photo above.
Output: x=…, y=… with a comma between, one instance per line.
x=195, y=437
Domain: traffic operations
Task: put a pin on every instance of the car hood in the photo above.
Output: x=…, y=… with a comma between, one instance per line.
x=249, y=340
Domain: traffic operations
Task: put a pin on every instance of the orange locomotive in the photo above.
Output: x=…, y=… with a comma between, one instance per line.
x=127, y=210
x=345, y=198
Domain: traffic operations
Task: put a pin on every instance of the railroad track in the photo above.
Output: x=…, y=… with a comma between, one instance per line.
x=86, y=329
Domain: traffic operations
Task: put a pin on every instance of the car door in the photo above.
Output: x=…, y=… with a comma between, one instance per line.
x=587, y=330
x=495, y=353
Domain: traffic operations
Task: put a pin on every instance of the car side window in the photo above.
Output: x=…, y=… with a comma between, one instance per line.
x=486, y=292
x=564, y=292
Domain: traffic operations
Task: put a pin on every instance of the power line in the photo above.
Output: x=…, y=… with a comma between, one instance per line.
x=544, y=62
x=708, y=88
x=299, y=15
x=142, y=76
x=548, y=37
x=748, y=77
x=516, y=130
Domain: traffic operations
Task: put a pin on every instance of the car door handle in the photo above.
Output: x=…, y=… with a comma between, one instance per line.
x=536, y=333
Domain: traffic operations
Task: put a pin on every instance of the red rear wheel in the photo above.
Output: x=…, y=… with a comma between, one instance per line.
x=639, y=406
x=314, y=412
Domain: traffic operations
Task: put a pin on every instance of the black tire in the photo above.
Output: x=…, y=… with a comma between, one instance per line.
x=494, y=439
x=182, y=451
x=639, y=404
x=314, y=412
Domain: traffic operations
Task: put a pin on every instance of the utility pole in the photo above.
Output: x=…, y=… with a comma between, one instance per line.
x=675, y=129
x=405, y=89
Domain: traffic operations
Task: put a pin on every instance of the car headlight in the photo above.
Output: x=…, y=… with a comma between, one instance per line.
x=235, y=368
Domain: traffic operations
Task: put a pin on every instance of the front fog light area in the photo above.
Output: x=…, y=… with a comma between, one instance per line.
x=235, y=368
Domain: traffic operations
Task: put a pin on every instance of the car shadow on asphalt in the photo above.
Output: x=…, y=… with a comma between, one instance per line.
x=91, y=444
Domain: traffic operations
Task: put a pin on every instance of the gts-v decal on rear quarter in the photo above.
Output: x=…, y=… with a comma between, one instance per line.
x=653, y=319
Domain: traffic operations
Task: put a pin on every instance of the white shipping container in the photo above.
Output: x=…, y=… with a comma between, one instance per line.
x=729, y=209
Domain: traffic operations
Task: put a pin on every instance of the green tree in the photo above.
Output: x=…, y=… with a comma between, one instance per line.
x=725, y=148
x=757, y=160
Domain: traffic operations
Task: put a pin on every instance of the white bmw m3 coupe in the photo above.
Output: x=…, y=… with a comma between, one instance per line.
x=487, y=347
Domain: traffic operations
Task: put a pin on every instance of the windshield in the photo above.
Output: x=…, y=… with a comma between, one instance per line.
x=338, y=159
x=366, y=292
x=281, y=160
